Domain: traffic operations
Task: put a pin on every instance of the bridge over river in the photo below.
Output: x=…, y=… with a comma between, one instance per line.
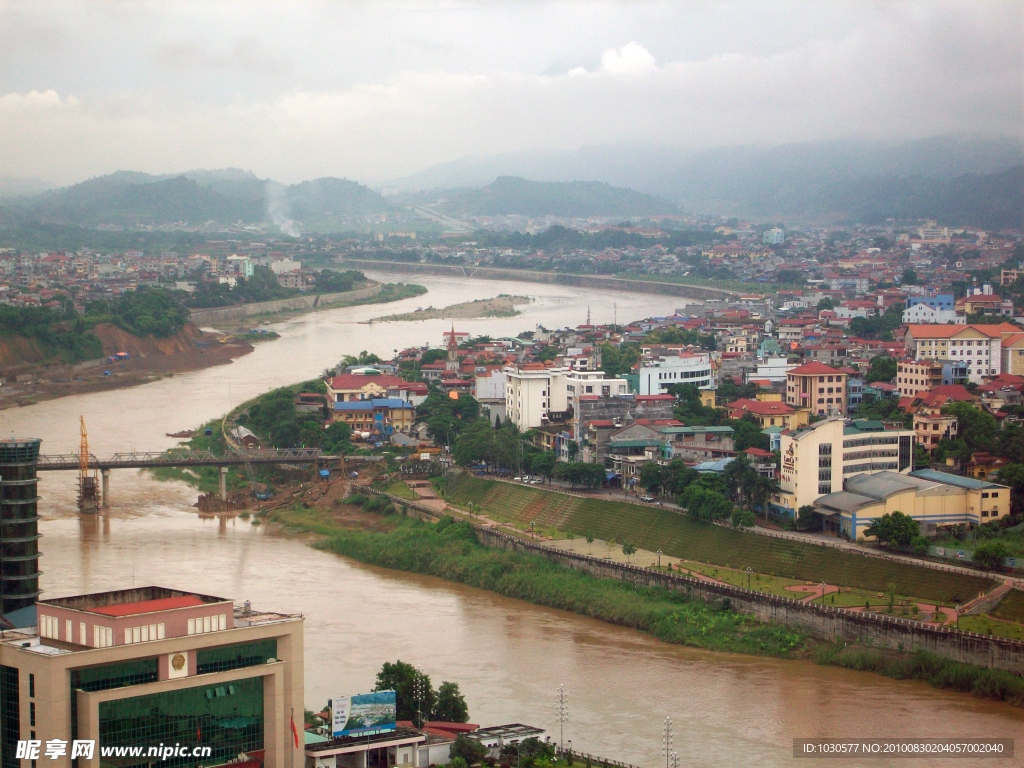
x=180, y=457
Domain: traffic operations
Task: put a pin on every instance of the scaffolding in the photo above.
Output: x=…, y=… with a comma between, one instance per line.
x=88, y=483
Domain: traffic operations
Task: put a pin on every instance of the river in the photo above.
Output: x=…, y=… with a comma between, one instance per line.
x=508, y=657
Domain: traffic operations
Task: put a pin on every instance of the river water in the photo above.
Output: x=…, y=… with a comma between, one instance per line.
x=508, y=657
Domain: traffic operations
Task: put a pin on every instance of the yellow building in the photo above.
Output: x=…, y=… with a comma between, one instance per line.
x=817, y=388
x=1013, y=354
x=930, y=497
x=818, y=459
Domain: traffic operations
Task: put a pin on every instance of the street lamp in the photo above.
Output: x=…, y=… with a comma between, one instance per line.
x=666, y=741
x=823, y=585
x=418, y=690
x=471, y=509
x=749, y=571
x=561, y=712
x=659, y=553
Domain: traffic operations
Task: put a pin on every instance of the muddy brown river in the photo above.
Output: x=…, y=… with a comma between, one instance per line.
x=508, y=656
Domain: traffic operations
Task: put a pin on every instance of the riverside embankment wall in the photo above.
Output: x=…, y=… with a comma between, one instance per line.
x=242, y=311
x=823, y=621
x=524, y=275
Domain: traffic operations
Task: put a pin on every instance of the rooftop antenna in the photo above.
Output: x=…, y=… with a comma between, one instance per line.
x=588, y=314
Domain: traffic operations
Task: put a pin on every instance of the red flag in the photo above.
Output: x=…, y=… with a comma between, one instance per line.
x=199, y=733
x=295, y=733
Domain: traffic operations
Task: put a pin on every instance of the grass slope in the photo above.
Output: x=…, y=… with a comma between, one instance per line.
x=1011, y=607
x=682, y=536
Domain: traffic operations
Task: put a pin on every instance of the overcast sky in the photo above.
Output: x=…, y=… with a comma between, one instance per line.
x=375, y=90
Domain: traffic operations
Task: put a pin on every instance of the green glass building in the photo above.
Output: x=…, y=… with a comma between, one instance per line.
x=19, y=533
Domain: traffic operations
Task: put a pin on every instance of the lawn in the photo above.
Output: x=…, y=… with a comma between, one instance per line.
x=684, y=537
x=986, y=625
x=403, y=491
x=1011, y=607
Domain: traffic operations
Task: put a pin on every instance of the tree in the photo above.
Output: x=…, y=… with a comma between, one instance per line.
x=451, y=704
x=628, y=549
x=825, y=303
x=1013, y=476
x=882, y=368
x=581, y=473
x=651, y=477
x=400, y=677
x=543, y=463
x=474, y=443
x=589, y=535
x=466, y=749
x=909, y=277
x=896, y=529
x=990, y=554
x=742, y=518
x=805, y=517
x=919, y=546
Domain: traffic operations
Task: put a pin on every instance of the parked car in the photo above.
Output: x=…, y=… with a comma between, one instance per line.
x=536, y=481
x=648, y=499
x=518, y=479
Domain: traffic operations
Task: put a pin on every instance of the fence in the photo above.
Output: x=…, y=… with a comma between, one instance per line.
x=829, y=622
x=584, y=757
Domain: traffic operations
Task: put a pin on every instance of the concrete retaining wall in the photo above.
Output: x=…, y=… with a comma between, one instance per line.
x=823, y=621
x=523, y=275
x=241, y=311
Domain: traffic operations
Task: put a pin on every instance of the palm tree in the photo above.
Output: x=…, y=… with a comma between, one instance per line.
x=765, y=489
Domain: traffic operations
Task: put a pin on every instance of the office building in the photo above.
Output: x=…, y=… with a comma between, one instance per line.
x=19, y=534
x=816, y=387
x=818, y=459
x=657, y=375
x=141, y=667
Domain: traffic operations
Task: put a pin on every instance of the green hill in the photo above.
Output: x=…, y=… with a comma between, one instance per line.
x=513, y=196
x=131, y=199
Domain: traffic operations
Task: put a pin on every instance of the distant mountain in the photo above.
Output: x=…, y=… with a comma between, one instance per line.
x=11, y=186
x=511, y=196
x=811, y=182
x=229, y=196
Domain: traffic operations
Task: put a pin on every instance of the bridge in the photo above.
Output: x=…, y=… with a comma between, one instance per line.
x=178, y=457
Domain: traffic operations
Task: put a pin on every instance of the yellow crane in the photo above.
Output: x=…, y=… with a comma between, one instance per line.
x=88, y=492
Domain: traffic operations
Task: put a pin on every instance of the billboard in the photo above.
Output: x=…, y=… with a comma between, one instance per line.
x=363, y=715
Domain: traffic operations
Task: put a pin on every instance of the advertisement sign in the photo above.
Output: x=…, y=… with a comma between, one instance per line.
x=363, y=715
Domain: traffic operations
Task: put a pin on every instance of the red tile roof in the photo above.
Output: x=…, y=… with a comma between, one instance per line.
x=358, y=381
x=149, y=606
x=776, y=408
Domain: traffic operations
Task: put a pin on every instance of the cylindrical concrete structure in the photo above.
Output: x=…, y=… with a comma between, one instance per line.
x=223, y=483
x=19, y=530
x=105, y=473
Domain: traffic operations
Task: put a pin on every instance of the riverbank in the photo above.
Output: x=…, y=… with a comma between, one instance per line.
x=450, y=550
x=599, y=282
x=150, y=360
x=500, y=306
x=247, y=315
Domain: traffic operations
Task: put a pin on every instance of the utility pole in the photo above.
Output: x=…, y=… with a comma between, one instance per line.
x=666, y=742
x=561, y=714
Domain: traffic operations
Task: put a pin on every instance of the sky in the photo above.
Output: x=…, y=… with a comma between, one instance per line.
x=377, y=90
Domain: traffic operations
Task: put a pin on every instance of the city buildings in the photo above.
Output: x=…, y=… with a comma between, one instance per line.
x=979, y=346
x=150, y=666
x=816, y=387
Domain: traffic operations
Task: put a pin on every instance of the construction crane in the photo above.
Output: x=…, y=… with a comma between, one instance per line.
x=88, y=488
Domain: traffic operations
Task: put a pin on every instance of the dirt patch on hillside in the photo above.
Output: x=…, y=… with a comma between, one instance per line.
x=150, y=359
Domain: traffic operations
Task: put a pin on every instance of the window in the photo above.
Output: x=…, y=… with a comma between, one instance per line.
x=191, y=626
x=10, y=717
x=69, y=633
x=31, y=685
x=31, y=713
x=81, y=633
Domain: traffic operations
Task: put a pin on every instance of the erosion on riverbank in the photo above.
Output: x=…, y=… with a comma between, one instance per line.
x=149, y=359
x=451, y=551
x=500, y=306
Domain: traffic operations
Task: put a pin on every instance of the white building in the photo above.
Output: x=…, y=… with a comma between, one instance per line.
x=656, y=376
x=533, y=393
x=536, y=395
x=922, y=313
x=774, y=369
x=491, y=385
x=774, y=236
x=281, y=266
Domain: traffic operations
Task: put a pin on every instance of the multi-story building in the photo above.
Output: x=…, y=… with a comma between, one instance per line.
x=1012, y=354
x=979, y=346
x=817, y=388
x=914, y=376
x=19, y=529
x=149, y=666
x=536, y=395
x=657, y=375
x=819, y=458
x=358, y=386
x=921, y=313
x=383, y=415
x=774, y=236
x=773, y=413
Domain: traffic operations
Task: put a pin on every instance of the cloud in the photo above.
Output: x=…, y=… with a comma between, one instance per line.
x=900, y=72
x=630, y=59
